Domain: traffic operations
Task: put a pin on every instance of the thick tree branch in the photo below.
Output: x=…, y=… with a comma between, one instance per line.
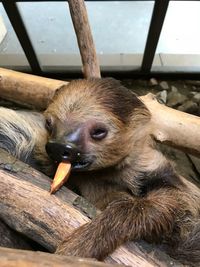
x=173, y=127
x=28, y=90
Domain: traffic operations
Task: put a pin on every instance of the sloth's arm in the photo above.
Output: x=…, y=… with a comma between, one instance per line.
x=127, y=218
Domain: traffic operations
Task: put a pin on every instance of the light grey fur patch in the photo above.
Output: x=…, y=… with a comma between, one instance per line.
x=18, y=132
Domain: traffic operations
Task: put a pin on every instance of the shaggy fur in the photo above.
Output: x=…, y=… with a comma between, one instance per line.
x=135, y=186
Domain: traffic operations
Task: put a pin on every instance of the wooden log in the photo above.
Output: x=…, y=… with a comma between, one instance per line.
x=84, y=37
x=27, y=90
x=11, y=239
x=19, y=258
x=173, y=127
x=27, y=206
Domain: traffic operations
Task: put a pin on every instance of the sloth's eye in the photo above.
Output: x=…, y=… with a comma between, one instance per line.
x=49, y=124
x=98, y=133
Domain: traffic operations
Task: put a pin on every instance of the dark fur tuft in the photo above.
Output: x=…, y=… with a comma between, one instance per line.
x=116, y=98
x=164, y=177
x=188, y=250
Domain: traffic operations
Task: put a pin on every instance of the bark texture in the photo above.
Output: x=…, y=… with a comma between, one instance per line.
x=19, y=258
x=27, y=90
x=84, y=37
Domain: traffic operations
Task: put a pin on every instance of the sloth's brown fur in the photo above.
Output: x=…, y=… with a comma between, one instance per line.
x=135, y=186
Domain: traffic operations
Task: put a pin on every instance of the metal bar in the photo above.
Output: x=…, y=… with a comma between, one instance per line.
x=157, y=20
x=21, y=32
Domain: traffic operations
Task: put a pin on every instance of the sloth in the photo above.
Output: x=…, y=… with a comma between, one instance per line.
x=103, y=130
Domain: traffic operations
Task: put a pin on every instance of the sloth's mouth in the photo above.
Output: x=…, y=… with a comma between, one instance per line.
x=70, y=153
x=81, y=165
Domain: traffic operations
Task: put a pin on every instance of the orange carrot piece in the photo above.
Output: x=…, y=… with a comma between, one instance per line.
x=61, y=176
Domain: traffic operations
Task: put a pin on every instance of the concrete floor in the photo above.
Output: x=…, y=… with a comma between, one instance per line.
x=119, y=28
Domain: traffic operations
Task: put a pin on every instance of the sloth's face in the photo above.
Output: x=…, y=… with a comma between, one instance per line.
x=89, y=144
x=89, y=124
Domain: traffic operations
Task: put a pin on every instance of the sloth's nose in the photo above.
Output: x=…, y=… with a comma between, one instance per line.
x=62, y=152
